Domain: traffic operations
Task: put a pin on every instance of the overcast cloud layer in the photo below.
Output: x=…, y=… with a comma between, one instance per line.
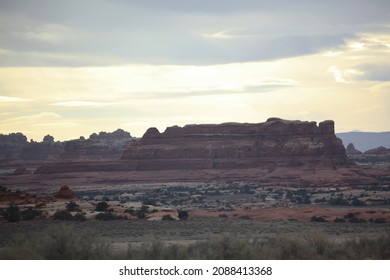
x=98, y=33
x=71, y=68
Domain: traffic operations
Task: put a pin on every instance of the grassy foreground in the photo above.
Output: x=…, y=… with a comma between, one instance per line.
x=65, y=241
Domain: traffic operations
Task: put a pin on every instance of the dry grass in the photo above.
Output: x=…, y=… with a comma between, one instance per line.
x=65, y=241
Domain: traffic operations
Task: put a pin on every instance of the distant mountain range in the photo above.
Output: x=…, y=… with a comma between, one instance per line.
x=364, y=141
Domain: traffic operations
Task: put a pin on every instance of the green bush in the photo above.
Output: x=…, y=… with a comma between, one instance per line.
x=107, y=216
x=12, y=213
x=63, y=215
x=72, y=206
x=339, y=220
x=30, y=214
x=318, y=219
x=79, y=217
x=101, y=206
x=183, y=215
x=356, y=220
x=379, y=221
x=168, y=218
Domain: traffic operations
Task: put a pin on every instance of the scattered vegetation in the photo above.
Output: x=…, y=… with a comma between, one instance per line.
x=58, y=242
x=72, y=206
x=318, y=219
x=182, y=215
x=12, y=213
x=167, y=218
x=30, y=213
x=66, y=242
x=65, y=215
x=101, y=206
x=108, y=216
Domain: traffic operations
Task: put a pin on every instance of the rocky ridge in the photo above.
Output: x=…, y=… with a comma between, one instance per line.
x=105, y=145
x=263, y=147
x=275, y=143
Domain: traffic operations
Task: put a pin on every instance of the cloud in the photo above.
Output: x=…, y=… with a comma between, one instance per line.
x=338, y=74
x=56, y=124
x=6, y=99
x=83, y=104
x=231, y=33
x=34, y=117
x=71, y=33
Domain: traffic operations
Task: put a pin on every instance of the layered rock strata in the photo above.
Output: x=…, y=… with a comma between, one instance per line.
x=275, y=143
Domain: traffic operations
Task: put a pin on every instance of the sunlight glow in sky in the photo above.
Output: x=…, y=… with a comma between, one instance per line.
x=70, y=69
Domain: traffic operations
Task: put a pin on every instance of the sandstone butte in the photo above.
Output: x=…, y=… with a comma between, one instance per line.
x=274, y=143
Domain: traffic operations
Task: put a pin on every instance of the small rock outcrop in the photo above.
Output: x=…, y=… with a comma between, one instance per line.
x=351, y=150
x=65, y=193
x=378, y=151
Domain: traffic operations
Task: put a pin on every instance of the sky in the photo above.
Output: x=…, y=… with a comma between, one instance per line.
x=71, y=68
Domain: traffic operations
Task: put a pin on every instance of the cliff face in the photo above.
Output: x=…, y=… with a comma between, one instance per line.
x=11, y=145
x=102, y=146
x=275, y=143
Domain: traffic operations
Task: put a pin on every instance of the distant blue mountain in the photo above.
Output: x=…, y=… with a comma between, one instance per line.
x=364, y=141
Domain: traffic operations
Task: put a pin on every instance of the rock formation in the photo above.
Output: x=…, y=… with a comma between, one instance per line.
x=378, y=151
x=275, y=143
x=11, y=145
x=377, y=157
x=266, y=146
x=100, y=146
x=65, y=193
x=351, y=150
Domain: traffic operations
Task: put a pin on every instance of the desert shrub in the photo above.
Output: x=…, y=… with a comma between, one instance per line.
x=183, y=215
x=379, y=221
x=12, y=213
x=356, y=202
x=79, y=217
x=3, y=188
x=57, y=242
x=223, y=216
x=356, y=220
x=320, y=200
x=245, y=217
x=30, y=214
x=130, y=211
x=318, y=219
x=168, y=218
x=140, y=215
x=339, y=220
x=349, y=215
x=72, y=206
x=101, y=206
x=63, y=215
x=312, y=245
x=106, y=216
x=338, y=201
x=366, y=248
x=144, y=208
